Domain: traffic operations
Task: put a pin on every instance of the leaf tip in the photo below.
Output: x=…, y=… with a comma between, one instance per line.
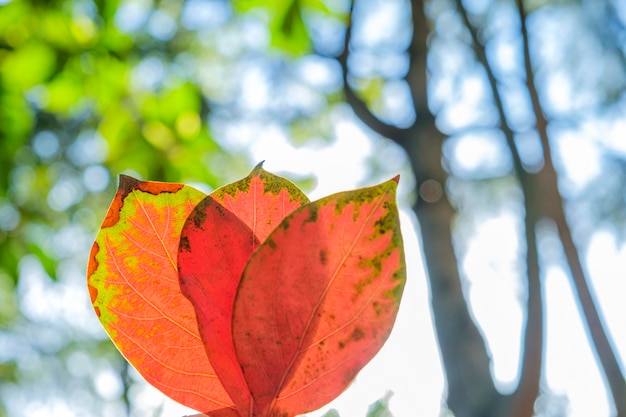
x=258, y=167
x=396, y=179
x=127, y=183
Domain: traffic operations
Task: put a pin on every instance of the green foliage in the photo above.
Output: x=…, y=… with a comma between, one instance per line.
x=284, y=18
x=288, y=21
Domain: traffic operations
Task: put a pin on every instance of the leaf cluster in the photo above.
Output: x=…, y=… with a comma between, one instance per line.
x=289, y=299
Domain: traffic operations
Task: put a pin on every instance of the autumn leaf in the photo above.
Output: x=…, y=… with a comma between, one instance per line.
x=216, y=243
x=318, y=299
x=250, y=302
x=133, y=283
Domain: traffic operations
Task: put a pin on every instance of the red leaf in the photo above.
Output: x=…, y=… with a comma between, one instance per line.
x=214, y=249
x=318, y=299
x=133, y=282
x=216, y=243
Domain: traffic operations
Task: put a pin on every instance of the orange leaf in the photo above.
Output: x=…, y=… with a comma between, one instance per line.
x=133, y=282
x=216, y=243
x=318, y=299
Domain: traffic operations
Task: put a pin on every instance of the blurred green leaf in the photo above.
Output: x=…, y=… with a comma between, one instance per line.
x=16, y=122
x=381, y=407
x=48, y=262
x=17, y=21
x=64, y=91
x=107, y=80
x=8, y=371
x=55, y=27
x=285, y=22
x=288, y=30
x=8, y=303
x=117, y=126
x=167, y=106
x=28, y=66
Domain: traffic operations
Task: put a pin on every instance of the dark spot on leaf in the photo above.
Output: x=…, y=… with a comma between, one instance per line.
x=270, y=242
x=323, y=257
x=377, y=264
x=378, y=309
x=220, y=210
x=341, y=345
x=313, y=213
x=284, y=224
x=198, y=215
x=184, y=245
x=359, y=286
x=357, y=334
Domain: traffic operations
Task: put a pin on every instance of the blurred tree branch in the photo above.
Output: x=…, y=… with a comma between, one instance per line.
x=546, y=191
x=358, y=105
x=523, y=398
x=471, y=391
